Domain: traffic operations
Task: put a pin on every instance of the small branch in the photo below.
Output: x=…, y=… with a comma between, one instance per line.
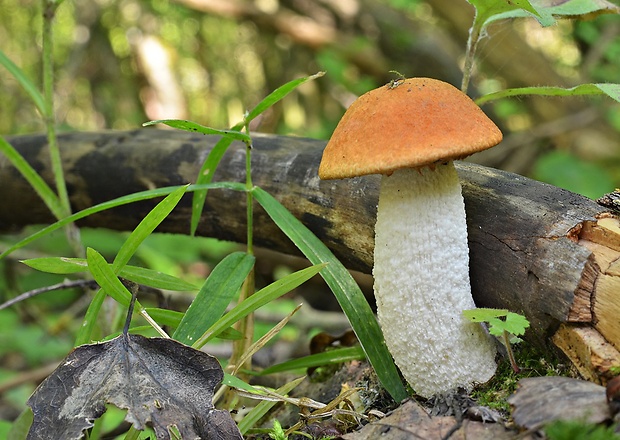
x=89, y=284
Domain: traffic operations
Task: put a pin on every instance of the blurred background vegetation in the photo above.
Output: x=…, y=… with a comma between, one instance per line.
x=122, y=62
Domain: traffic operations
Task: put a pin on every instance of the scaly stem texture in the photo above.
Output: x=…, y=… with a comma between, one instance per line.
x=422, y=285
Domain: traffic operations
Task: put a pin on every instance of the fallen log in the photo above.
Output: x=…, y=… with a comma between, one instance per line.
x=547, y=253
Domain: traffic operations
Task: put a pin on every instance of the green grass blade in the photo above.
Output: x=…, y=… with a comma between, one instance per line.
x=90, y=318
x=345, y=289
x=170, y=318
x=48, y=196
x=58, y=265
x=277, y=95
x=146, y=227
x=140, y=275
x=107, y=279
x=24, y=81
x=216, y=293
x=205, y=176
x=259, y=299
x=156, y=279
x=610, y=90
x=259, y=411
x=233, y=134
x=210, y=165
x=234, y=382
x=335, y=356
x=124, y=200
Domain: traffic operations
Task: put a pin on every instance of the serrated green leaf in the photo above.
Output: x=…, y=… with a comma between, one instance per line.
x=216, y=293
x=257, y=300
x=610, y=90
x=484, y=314
x=516, y=324
x=499, y=320
x=336, y=356
x=345, y=289
x=181, y=124
x=488, y=10
x=571, y=9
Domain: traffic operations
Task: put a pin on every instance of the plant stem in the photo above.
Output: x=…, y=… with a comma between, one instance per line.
x=246, y=325
x=511, y=355
x=470, y=52
x=71, y=231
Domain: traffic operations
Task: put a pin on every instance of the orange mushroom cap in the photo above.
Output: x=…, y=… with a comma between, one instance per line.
x=412, y=123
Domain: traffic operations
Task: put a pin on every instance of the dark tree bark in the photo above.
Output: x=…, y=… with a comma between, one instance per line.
x=535, y=249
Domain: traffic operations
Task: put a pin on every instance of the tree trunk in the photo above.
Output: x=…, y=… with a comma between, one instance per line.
x=535, y=249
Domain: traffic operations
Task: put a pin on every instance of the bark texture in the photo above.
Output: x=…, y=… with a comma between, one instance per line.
x=534, y=248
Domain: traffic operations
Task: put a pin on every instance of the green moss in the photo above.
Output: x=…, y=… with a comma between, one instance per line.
x=533, y=363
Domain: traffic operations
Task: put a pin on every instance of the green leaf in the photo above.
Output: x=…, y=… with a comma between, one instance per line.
x=257, y=300
x=233, y=134
x=21, y=425
x=156, y=279
x=329, y=357
x=113, y=286
x=24, y=81
x=345, y=289
x=610, y=90
x=484, y=314
x=106, y=278
x=120, y=201
x=43, y=190
x=488, y=10
x=216, y=293
x=170, y=318
x=512, y=323
x=515, y=324
x=232, y=381
x=205, y=176
x=277, y=95
x=208, y=168
x=146, y=227
x=564, y=9
x=140, y=275
x=58, y=265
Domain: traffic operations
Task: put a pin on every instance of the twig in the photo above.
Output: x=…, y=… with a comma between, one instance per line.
x=90, y=284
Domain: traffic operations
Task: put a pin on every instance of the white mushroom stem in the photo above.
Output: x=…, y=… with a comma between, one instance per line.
x=421, y=270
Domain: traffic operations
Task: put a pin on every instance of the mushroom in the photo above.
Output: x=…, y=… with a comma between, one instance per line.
x=410, y=131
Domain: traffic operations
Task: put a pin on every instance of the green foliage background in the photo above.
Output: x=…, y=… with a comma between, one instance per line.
x=222, y=60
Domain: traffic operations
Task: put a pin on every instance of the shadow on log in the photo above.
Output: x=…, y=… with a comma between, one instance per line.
x=535, y=249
